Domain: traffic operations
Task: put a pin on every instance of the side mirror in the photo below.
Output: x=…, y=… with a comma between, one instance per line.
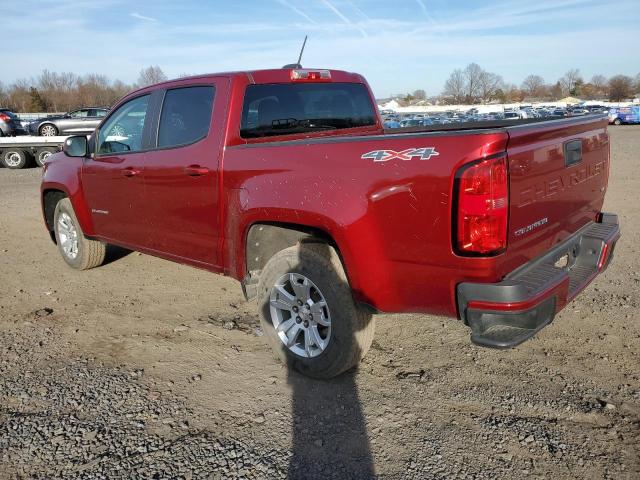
x=76, y=146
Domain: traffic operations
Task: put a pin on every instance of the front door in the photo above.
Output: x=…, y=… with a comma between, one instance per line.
x=113, y=179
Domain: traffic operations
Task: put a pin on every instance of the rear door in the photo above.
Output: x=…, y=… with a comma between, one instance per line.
x=558, y=176
x=182, y=173
x=112, y=179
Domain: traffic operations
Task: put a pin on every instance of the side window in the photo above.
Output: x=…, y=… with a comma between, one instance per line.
x=97, y=112
x=122, y=132
x=79, y=114
x=186, y=115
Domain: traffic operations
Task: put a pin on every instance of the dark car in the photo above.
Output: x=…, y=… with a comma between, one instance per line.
x=83, y=120
x=10, y=124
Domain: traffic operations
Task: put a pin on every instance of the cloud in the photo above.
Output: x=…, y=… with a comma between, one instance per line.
x=340, y=15
x=142, y=17
x=296, y=10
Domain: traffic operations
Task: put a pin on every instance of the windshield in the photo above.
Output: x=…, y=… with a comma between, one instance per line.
x=282, y=109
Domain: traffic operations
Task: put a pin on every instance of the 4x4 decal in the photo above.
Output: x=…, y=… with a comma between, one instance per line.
x=424, y=153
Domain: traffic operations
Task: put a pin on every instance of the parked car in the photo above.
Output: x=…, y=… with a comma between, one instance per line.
x=325, y=218
x=577, y=111
x=391, y=124
x=10, y=124
x=83, y=120
x=512, y=115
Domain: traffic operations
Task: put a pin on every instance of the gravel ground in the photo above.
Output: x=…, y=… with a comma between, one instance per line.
x=147, y=369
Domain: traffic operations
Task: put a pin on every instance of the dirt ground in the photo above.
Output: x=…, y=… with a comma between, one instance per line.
x=147, y=369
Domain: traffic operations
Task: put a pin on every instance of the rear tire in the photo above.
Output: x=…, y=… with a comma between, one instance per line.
x=14, y=158
x=78, y=251
x=350, y=330
x=43, y=153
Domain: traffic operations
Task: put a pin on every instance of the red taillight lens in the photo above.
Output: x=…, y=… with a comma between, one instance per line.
x=4, y=117
x=483, y=207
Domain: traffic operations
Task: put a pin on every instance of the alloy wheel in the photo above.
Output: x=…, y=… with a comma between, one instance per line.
x=300, y=315
x=68, y=235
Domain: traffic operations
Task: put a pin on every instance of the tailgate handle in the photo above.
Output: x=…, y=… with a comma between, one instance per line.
x=572, y=152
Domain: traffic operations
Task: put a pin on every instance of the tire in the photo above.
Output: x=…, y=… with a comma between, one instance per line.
x=43, y=153
x=87, y=253
x=48, y=130
x=14, y=158
x=617, y=121
x=351, y=329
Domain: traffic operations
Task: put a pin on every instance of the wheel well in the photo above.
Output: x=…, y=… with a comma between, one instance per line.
x=264, y=240
x=49, y=201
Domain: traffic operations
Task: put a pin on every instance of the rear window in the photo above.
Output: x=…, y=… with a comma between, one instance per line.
x=282, y=109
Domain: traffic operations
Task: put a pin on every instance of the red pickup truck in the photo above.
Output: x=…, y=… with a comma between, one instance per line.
x=286, y=181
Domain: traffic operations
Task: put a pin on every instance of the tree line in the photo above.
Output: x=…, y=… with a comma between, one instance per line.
x=62, y=92
x=474, y=85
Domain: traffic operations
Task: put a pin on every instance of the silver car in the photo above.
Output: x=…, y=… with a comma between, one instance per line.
x=77, y=122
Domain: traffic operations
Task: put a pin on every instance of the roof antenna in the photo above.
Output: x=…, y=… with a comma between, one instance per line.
x=298, y=64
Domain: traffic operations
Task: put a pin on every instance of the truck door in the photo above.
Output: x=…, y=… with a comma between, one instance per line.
x=112, y=179
x=181, y=173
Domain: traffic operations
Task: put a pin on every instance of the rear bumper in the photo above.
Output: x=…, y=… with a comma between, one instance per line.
x=507, y=313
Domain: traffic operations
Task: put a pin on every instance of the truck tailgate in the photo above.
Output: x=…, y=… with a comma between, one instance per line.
x=558, y=178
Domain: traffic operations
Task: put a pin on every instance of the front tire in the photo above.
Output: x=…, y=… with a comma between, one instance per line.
x=617, y=121
x=78, y=251
x=48, y=130
x=308, y=313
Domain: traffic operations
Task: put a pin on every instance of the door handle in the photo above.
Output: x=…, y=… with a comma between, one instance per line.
x=196, y=170
x=130, y=172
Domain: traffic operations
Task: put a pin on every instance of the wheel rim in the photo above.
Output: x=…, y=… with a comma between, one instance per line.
x=68, y=235
x=48, y=131
x=43, y=156
x=12, y=159
x=300, y=315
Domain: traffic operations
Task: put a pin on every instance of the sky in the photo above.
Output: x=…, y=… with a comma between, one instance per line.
x=398, y=45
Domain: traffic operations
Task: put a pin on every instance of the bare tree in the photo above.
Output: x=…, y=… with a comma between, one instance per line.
x=620, y=88
x=533, y=85
x=4, y=98
x=599, y=81
x=488, y=85
x=569, y=81
x=472, y=75
x=419, y=94
x=455, y=86
x=151, y=75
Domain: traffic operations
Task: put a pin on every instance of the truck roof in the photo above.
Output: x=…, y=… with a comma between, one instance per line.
x=273, y=75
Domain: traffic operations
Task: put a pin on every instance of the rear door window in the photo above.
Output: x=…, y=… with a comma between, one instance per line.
x=282, y=109
x=186, y=115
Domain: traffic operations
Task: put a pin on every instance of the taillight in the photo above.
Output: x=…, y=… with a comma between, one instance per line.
x=304, y=75
x=482, y=207
x=4, y=117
